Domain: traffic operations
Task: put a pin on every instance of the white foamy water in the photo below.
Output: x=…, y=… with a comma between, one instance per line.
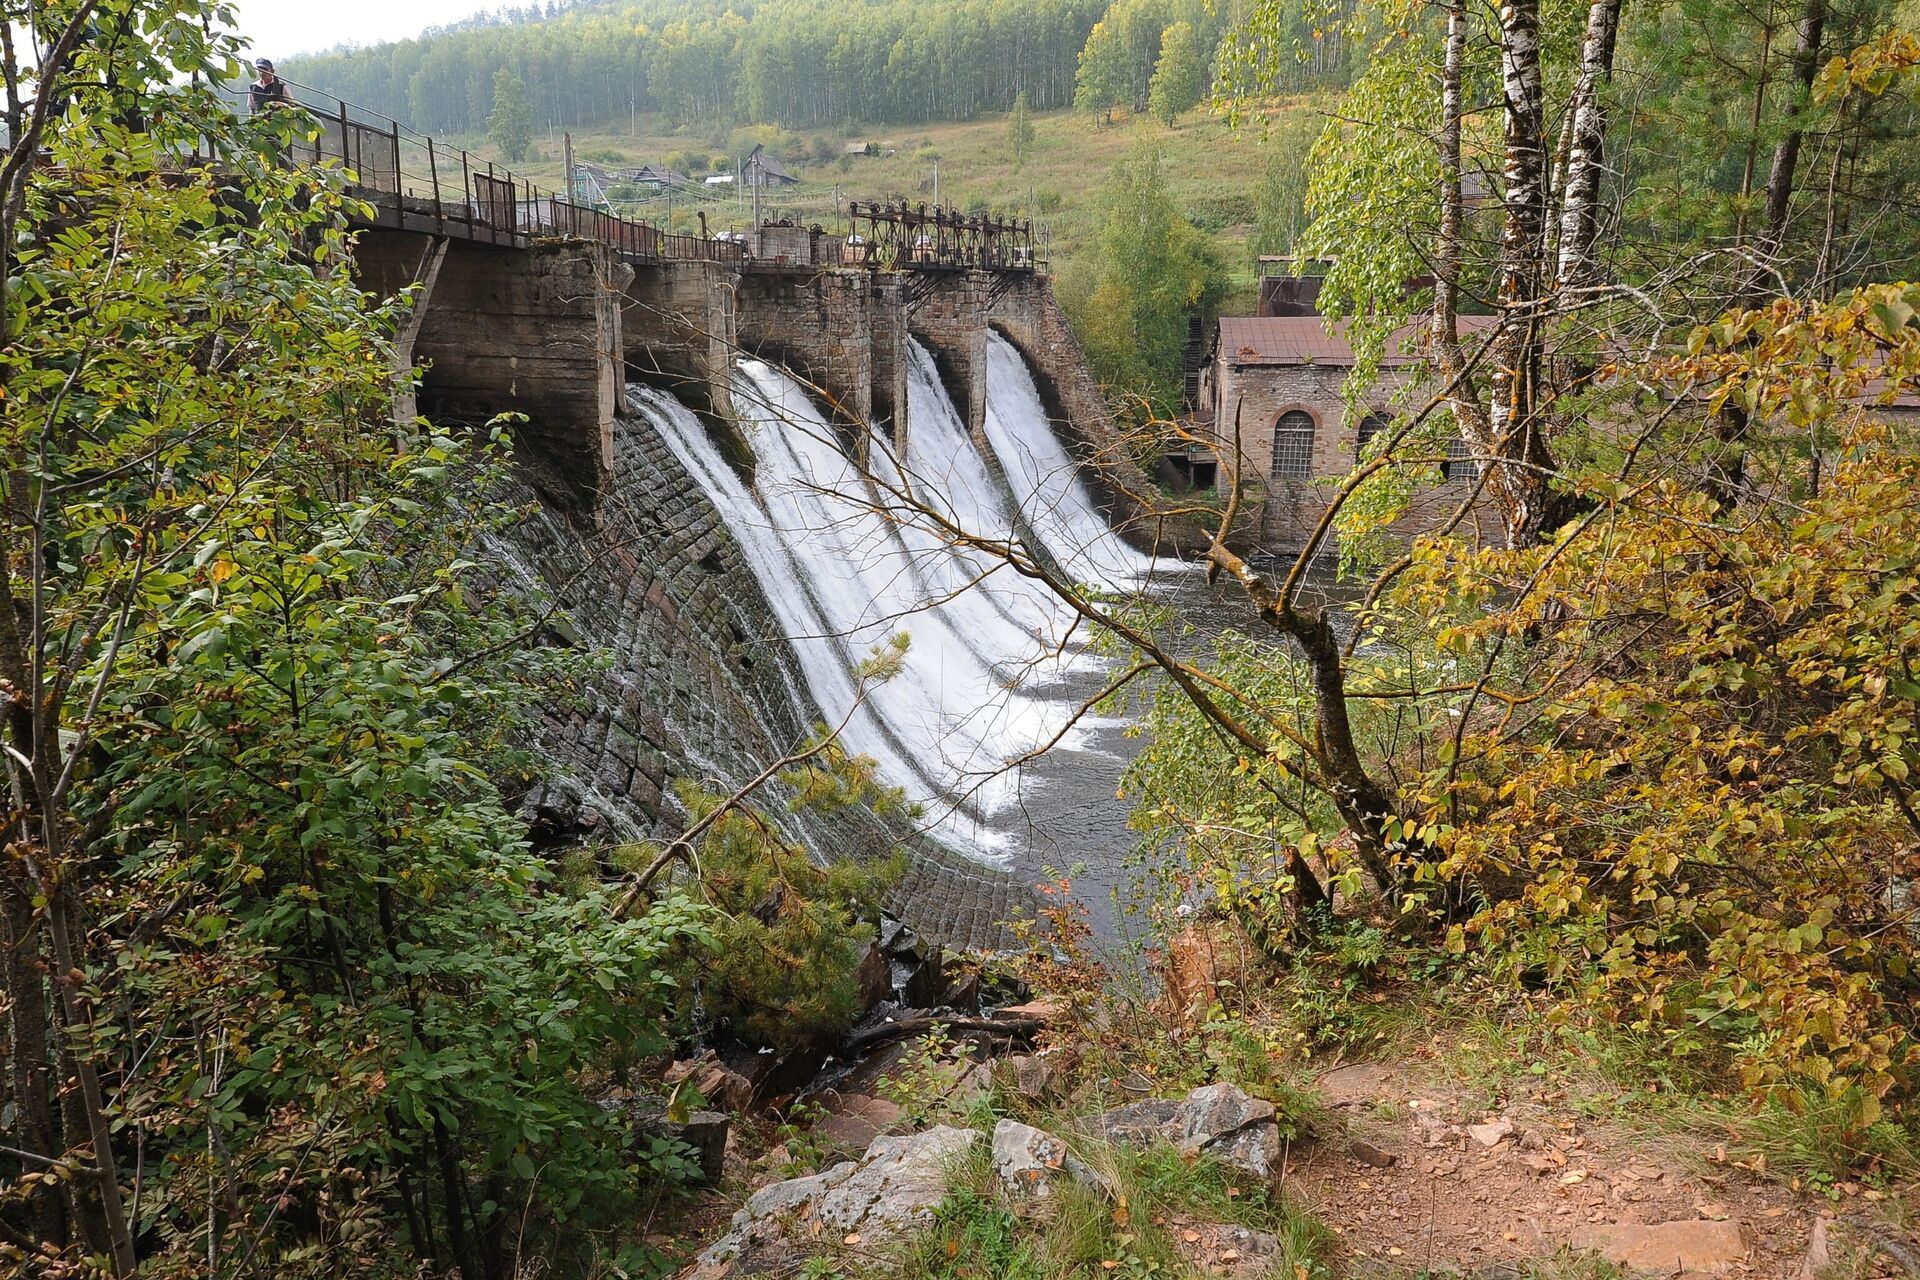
x=846, y=564
x=1052, y=497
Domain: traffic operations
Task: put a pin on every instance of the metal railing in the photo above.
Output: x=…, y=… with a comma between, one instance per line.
x=418, y=184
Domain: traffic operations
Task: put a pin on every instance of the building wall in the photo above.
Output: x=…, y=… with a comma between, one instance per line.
x=1256, y=396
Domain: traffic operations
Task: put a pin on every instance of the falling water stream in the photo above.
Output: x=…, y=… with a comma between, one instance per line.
x=996, y=668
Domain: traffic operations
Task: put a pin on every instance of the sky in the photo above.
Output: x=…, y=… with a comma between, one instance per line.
x=282, y=28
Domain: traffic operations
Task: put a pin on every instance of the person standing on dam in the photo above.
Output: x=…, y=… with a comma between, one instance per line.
x=267, y=89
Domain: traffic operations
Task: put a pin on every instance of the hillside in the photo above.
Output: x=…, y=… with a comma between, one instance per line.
x=1214, y=170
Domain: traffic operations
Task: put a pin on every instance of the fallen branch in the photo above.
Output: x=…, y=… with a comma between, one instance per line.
x=901, y=1028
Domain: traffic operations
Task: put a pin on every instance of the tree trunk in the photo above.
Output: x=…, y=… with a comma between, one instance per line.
x=28, y=1053
x=1586, y=158
x=1462, y=397
x=1516, y=447
x=1786, y=156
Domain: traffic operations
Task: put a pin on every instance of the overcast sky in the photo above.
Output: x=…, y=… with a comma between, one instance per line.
x=282, y=28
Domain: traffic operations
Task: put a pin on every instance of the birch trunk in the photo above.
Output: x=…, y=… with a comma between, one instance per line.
x=1586, y=159
x=1518, y=454
x=1462, y=396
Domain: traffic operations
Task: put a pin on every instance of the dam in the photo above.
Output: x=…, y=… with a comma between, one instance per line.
x=713, y=438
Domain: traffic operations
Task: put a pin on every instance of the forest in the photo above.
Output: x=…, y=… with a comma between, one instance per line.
x=802, y=64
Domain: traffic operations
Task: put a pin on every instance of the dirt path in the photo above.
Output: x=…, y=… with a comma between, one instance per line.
x=1429, y=1181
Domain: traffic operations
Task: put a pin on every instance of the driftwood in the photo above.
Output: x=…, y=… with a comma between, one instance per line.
x=921, y=1023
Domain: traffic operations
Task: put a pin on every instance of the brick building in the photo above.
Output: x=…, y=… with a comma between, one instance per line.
x=1276, y=380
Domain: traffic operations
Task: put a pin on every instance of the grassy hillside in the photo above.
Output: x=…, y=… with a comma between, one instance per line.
x=1214, y=170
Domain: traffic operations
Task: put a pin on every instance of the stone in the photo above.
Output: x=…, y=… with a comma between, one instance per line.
x=1700, y=1246
x=898, y=1182
x=1219, y=1120
x=855, y=1121
x=1227, y=1123
x=1044, y=1011
x=1026, y=1160
x=874, y=977
x=1031, y=1075
x=715, y=1081
x=706, y=1132
x=1139, y=1123
x=1368, y=1154
x=1492, y=1133
x=1819, y=1251
x=895, y=1186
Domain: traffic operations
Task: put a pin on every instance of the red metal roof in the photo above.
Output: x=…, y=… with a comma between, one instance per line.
x=1288, y=340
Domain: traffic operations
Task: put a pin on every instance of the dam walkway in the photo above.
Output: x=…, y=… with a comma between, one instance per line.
x=414, y=183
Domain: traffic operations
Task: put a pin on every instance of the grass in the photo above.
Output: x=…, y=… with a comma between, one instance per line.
x=1214, y=171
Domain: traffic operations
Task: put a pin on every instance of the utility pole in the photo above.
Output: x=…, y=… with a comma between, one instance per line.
x=568, y=140
x=936, y=182
x=753, y=166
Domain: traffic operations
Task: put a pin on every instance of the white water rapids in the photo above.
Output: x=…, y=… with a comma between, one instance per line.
x=845, y=565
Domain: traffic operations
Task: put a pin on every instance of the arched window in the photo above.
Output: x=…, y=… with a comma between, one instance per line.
x=1370, y=426
x=1293, y=446
x=1459, y=468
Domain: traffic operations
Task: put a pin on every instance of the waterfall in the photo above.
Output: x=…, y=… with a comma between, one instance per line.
x=845, y=565
x=1053, y=498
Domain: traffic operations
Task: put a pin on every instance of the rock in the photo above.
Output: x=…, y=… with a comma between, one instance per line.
x=1819, y=1252
x=1026, y=1074
x=855, y=1121
x=1229, y=1124
x=1138, y=1124
x=1219, y=1120
x=1044, y=1011
x=706, y=1132
x=1700, y=1246
x=1368, y=1154
x=973, y=1083
x=964, y=992
x=1492, y=1133
x=875, y=977
x=716, y=1082
x=1026, y=1160
x=896, y=1185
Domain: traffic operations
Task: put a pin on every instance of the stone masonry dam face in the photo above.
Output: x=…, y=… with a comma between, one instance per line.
x=679, y=420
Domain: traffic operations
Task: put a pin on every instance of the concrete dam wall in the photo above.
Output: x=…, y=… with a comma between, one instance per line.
x=678, y=417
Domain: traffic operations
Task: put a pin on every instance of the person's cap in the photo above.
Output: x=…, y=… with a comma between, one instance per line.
x=263, y=64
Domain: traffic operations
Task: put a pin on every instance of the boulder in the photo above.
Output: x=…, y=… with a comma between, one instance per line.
x=1027, y=1160
x=1219, y=1120
x=1227, y=1123
x=892, y=1188
x=898, y=1183
x=1699, y=1246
